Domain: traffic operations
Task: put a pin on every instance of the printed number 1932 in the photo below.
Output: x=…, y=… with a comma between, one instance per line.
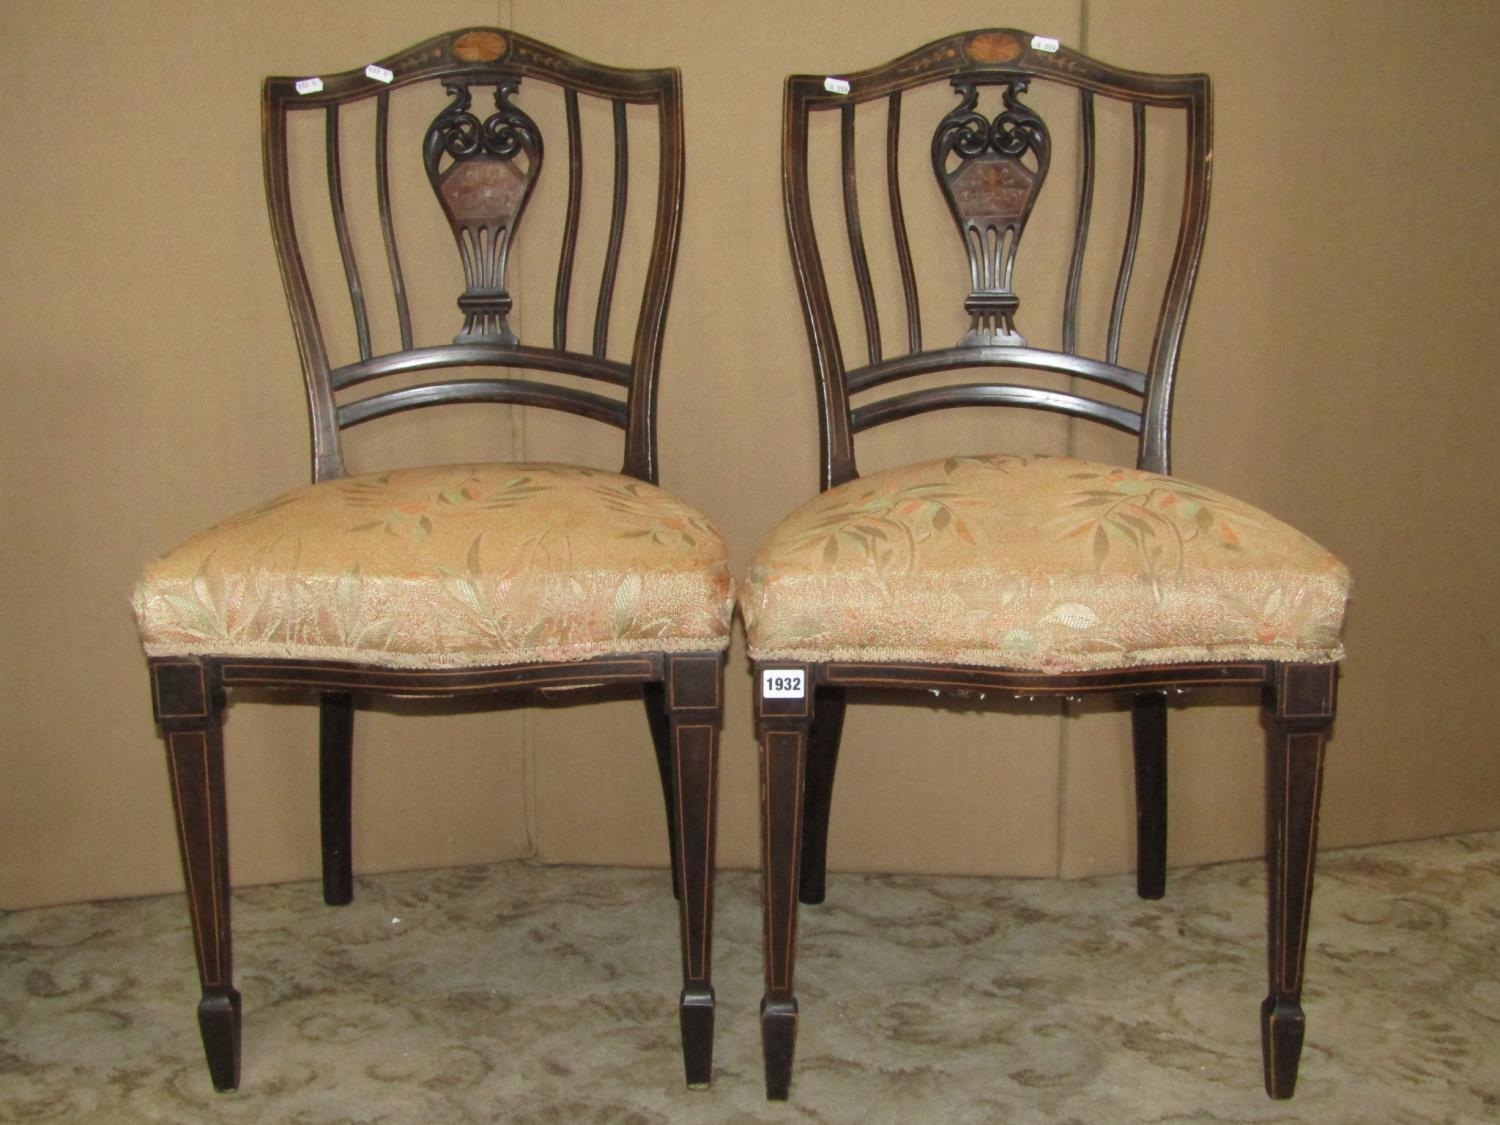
x=783, y=683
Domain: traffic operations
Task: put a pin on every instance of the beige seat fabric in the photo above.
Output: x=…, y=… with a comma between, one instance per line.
x=447, y=567
x=1039, y=563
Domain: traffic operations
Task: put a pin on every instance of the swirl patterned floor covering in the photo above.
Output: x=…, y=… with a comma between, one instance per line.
x=523, y=993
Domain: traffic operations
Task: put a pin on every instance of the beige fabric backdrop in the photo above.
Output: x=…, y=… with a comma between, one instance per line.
x=1337, y=372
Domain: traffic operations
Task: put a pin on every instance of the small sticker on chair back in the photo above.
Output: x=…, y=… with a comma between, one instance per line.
x=836, y=85
x=1043, y=43
x=783, y=683
x=309, y=85
x=379, y=73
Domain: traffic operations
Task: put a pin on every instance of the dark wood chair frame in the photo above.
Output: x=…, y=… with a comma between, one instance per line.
x=799, y=735
x=682, y=691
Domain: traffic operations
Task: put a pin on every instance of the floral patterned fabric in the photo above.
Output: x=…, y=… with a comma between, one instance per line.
x=447, y=567
x=1042, y=564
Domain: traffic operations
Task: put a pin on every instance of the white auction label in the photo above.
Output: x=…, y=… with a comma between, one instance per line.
x=309, y=85
x=1042, y=43
x=783, y=683
x=379, y=73
x=836, y=85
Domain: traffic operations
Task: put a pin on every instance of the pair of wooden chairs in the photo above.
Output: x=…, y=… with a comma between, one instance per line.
x=995, y=572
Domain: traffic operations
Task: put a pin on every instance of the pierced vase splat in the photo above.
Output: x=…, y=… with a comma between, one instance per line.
x=991, y=173
x=483, y=190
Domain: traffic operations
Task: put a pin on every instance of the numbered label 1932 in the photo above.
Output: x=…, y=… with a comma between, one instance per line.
x=783, y=683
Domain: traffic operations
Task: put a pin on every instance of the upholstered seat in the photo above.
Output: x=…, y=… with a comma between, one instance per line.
x=1042, y=564
x=447, y=567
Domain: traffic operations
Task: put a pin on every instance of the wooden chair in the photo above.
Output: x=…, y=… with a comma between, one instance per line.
x=462, y=580
x=1001, y=572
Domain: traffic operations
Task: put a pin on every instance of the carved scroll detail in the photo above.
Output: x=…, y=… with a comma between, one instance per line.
x=483, y=191
x=1000, y=167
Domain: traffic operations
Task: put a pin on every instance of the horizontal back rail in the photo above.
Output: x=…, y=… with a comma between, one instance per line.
x=943, y=59
x=470, y=54
x=993, y=394
x=1036, y=359
x=503, y=391
x=481, y=355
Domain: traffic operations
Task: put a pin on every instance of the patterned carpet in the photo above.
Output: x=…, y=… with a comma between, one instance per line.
x=530, y=994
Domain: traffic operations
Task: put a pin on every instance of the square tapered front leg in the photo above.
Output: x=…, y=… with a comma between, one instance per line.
x=694, y=705
x=189, y=707
x=784, y=712
x=1301, y=704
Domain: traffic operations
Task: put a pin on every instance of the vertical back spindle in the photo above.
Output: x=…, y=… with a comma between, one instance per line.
x=341, y=228
x=387, y=230
x=1081, y=231
x=1133, y=232
x=898, y=224
x=570, y=230
x=616, y=231
x=856, y=236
